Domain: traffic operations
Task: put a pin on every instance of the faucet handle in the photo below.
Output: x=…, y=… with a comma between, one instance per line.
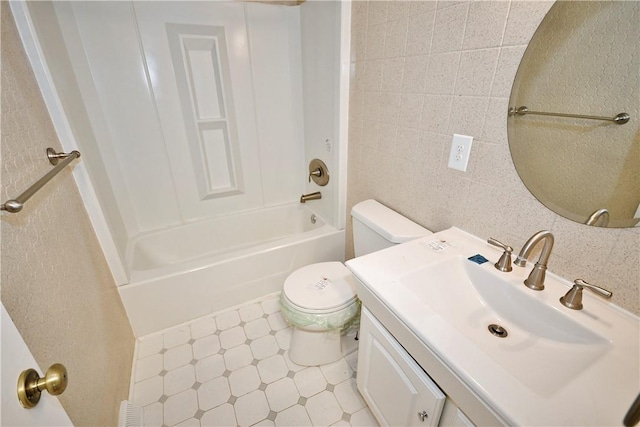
x=573, y=298
x=504, y=263
x=316, y=173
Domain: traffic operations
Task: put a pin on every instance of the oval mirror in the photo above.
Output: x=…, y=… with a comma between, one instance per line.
x=584, y=59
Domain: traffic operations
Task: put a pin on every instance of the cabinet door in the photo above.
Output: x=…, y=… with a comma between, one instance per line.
x=396, y=388
x=452, y=416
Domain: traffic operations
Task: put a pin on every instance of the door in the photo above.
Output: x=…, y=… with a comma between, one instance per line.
x=16, y=357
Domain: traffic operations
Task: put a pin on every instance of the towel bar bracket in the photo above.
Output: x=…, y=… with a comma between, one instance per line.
x=54, y=157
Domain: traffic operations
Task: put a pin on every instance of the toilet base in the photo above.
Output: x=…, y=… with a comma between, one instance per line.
x=314, y=348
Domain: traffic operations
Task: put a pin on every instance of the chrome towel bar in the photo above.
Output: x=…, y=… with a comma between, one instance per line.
x=619, y=119
x=60, y=160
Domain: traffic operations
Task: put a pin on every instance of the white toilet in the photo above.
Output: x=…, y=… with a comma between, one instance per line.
x=319, y=300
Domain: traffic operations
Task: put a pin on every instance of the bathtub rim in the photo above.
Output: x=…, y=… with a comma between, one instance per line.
x=176, y=269
x=195, y=263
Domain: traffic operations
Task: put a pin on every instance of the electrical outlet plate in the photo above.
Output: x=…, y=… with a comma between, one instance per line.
x=460, y=150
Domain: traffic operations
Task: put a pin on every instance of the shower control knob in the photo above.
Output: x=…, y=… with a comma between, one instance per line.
x=318, y=172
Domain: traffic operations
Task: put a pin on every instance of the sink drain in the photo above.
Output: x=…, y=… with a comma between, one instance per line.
x=497, y=330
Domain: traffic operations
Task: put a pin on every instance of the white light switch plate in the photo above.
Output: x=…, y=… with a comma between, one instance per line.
x=460, y=150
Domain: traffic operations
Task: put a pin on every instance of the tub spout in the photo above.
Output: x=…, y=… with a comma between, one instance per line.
x=311, y=196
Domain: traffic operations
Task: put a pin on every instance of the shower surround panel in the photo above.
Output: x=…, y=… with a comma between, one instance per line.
x=183, y=129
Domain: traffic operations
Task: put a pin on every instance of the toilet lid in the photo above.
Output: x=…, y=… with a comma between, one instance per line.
x=321, y=286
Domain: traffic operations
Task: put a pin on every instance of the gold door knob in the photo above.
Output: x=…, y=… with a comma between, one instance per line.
x=30, y=385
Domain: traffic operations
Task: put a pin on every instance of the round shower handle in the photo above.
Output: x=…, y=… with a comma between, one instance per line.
x=318, y=172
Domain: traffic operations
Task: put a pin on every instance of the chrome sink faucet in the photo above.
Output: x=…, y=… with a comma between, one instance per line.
x=535, y=280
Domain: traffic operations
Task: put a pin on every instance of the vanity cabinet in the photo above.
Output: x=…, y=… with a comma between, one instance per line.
x=452, y=416
x=396, y=388
x=428, y=309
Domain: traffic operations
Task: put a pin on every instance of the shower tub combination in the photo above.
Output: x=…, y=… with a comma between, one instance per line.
x=185, y=272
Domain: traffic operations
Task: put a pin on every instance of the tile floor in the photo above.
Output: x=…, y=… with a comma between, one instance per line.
x=232, y=368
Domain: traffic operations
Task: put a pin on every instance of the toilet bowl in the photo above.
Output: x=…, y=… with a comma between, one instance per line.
x=319, y=300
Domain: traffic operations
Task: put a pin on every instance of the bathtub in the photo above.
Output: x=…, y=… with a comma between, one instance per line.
x=185, y=272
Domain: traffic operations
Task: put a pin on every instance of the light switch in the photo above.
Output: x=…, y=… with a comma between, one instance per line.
x=460, y=150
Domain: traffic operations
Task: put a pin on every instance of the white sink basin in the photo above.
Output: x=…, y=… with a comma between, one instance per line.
x=538, y=336
x=556, y=366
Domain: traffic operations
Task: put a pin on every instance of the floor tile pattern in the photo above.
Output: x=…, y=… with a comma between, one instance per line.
x=232, y=368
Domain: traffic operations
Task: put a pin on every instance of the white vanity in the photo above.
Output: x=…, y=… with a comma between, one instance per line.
x=429, y=355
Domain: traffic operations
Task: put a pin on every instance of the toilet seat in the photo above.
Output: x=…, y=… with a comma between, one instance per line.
x=294, y=307
x=321, y=288
x=319, y=301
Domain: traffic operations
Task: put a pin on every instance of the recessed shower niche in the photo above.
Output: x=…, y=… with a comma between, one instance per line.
x=201, y=64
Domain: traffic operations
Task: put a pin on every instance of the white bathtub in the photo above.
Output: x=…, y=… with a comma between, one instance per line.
x=182, y=273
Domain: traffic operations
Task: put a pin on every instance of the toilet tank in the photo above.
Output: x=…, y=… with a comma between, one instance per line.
x=376, y=227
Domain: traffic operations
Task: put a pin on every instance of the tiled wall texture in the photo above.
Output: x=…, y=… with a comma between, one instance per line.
x=56, y=285
x=424, y=70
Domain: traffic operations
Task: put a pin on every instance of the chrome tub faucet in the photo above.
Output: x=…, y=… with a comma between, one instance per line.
x=535, y=280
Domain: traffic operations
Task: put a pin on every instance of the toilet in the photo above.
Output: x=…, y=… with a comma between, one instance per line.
x=319, y=300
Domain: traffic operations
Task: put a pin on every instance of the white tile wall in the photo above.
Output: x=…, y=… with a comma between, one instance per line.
x=233, y=368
